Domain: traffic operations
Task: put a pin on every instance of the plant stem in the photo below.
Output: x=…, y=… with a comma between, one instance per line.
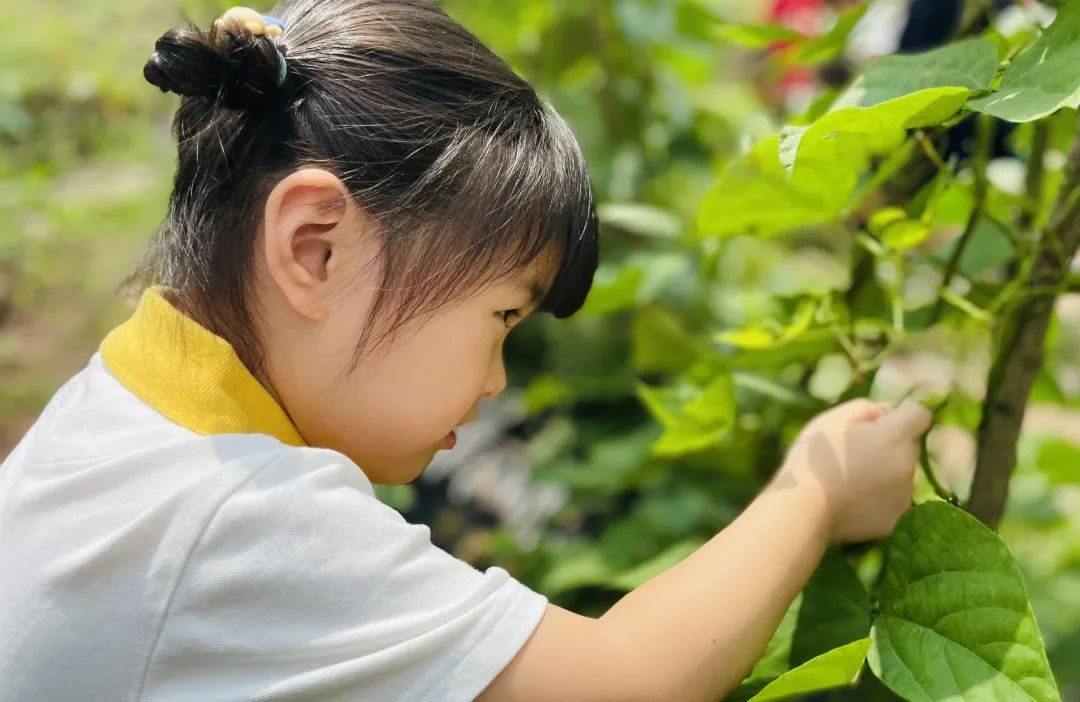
x=931, y=477
x=984, y=139
x=932, y=153
x=1019, y=351
x=1033, y=180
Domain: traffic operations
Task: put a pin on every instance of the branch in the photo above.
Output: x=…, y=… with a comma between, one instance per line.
x=1019, y=353
x=984, y=140
x=1033, y=180
x=924, y=460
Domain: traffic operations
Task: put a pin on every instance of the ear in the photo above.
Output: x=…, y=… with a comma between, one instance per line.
x=308, y=224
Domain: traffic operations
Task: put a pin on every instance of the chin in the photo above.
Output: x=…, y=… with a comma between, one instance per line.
x=398, y=472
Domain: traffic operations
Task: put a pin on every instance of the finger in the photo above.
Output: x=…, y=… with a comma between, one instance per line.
x=909, y=419
x=861, y=410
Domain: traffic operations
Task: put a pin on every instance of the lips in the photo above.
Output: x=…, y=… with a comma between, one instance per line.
x=450, y=441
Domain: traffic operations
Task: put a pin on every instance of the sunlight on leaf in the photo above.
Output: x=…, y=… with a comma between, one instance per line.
x=955, y=621
x=693, y=418
x=837, y=668
x=1044, y=77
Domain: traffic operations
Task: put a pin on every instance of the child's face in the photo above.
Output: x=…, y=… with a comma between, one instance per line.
x=393, y=412
x=398, y=408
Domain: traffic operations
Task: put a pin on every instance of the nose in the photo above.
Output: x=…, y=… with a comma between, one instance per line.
x=496, y=378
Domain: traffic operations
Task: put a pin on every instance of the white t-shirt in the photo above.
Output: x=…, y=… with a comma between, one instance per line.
x=140, y=560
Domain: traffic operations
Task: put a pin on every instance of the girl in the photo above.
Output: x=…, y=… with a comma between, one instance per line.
x=366, y=201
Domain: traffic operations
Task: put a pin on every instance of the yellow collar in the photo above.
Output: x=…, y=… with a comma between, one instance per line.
x=191, y=375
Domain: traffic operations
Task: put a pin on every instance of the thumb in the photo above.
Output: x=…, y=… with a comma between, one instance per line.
x=910, y=419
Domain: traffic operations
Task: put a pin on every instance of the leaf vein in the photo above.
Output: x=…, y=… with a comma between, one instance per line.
x=977, y=656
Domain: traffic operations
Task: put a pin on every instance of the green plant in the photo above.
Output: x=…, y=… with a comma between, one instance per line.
x=729, y=360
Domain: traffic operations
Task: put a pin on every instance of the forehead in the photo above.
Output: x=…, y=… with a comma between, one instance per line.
x=534, y=280
x=538, y=276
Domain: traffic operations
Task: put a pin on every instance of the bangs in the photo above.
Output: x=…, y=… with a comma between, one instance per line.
x=518, y=195
x=574, y=225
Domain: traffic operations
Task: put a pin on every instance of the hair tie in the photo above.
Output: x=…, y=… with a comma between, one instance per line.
x=283, y=69
x=274, y=26
x=244, y=19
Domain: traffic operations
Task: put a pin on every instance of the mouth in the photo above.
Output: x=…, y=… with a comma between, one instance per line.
x=450, y=440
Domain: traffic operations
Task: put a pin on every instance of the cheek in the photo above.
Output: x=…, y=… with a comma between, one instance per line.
x=423, y=385
x=450, y=371
x=392, y=413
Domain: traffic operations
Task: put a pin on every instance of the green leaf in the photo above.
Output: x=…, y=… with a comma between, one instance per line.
x=905, y=234
x=754, y=194
x=955, y=620
x=855, y=133
x=400, y=497
x=594, y=565
x=660, y=402
x=882, y=218
x=661, y=343
x=776, y=659
x=837, y=668
x=990, y=246
x=1044, y=77
x=771, y=334
x=759, y=337
x=546, y=391
x=1059, y=461
x=614, y=288
x=896, y=229
x=638, y=218
x=831, y=44
x=757, y=36
x=587, y=567
x=832, y=610
x=693, y=418
x=835, y=610
x=969, y=64
x=609, y=463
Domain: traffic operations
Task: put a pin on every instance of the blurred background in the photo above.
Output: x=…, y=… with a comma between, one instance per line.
x=569, y=480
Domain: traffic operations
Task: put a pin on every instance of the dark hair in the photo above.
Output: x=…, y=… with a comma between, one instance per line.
x=468, y=173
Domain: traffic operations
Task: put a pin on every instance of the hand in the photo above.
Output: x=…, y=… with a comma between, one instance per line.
x=860, y=457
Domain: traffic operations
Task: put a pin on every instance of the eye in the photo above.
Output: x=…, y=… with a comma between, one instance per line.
x=509, y=316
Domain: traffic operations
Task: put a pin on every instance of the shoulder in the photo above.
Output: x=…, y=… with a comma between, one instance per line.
x=303, y=580
x=287, y=489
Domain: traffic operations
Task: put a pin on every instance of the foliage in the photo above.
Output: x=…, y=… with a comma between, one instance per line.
x=954, y=615
x=735, y=344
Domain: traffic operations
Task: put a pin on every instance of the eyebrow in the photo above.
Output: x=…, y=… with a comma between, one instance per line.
x=536, y=291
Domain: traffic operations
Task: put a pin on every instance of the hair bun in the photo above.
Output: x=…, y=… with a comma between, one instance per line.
x=239, y=70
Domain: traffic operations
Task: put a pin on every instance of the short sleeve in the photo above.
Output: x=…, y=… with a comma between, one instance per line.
x=303, y=585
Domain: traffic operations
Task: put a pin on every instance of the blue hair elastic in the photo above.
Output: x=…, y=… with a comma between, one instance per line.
x=283, y=65
x=283, y=69
x=273, y=22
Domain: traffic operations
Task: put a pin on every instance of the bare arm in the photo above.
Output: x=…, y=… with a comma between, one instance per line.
x=694, y=631
x=690, y=633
